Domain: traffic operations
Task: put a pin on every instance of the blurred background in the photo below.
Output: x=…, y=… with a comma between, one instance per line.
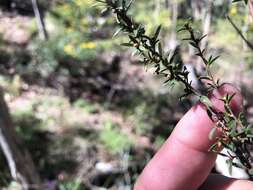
x=82, y=112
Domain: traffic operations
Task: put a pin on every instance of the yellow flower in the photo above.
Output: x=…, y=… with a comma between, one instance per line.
x=65, y=7
x=69, y=30
x=84, y=22
x=69, y=49
x=84, y=2
x=233, y=11
x=88, y=45
x=79, y=2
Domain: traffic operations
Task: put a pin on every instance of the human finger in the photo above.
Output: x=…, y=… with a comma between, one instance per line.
x=184, y=162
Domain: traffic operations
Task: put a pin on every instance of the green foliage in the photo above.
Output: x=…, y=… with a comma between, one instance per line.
x=222, y=36
x=45, y=55
x=75, y=184
x=86, y=106
x=23, y=113
x=114, y=140
x=11, y=85
x=26, y=122
x=161, y=16
x=143, y=117
x=43, y=113
x=159, y=140
x=74, y=40
x=74, y=14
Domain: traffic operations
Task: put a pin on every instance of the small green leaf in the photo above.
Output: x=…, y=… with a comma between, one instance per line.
x=127, y=44
x=181, y=29
x=201, y=38
x=117, y=32
x=212, y=59
x=133, y=39
x=205, y=78
x=158, y=30
x=233, y=128
x=193, y=44
x=205, y=100
x=186, y=39
x=213, y=148
x=230, y=97
x=129, y=5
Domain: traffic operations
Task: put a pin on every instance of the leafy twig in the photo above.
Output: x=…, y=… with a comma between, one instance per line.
x=149, y=47
x=236, y=131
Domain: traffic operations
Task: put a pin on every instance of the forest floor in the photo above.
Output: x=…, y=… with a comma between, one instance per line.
x=100, y=139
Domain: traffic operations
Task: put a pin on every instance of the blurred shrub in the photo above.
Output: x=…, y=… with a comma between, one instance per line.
x=161, y=16
x=47, y=55
x=26, y=122
x=222, y=37
x=79, y=33
x=12, y=86
x=73, y=41
x=86, y=106
x=74, y=184
x=114, y=140
x=143, y=117
x=149, y=111
x=76, y=14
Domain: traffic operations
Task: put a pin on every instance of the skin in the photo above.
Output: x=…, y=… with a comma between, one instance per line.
x=184, y=162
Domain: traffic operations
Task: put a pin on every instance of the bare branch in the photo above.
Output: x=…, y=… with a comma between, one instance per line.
x=39, y=20
x=249, y=44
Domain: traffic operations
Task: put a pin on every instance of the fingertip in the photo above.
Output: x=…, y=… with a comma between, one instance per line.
x=186, y=151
